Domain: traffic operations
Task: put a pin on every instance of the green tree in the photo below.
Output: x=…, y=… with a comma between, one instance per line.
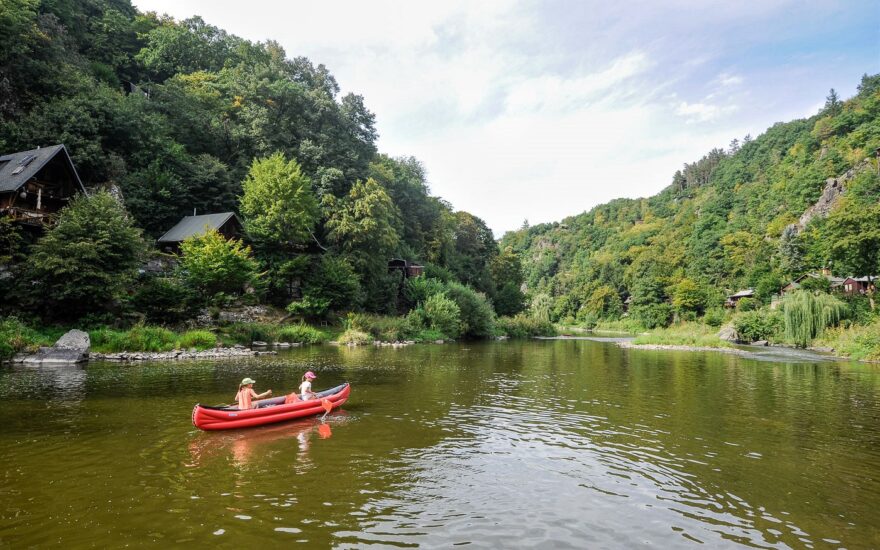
x=687, y=296
x=278, y=204
x=854, y=237
x=442, y=314
x=211, y=263
x=86, y=261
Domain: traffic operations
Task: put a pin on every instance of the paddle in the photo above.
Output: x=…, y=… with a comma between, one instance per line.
x=328, y=406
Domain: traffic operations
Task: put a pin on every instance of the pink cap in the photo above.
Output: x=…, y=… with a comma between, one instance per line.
x=310, y=375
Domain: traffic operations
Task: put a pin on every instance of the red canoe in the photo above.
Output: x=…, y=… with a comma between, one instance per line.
x=268, y=411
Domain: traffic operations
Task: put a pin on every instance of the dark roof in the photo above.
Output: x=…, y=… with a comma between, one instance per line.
x=29, y=163
x=196, y=225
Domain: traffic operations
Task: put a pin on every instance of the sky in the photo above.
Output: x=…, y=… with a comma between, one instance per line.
x=539, y=110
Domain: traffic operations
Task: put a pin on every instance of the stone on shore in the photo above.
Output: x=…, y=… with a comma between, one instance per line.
x=761, y=343
x=728, y=333
x=70, y=349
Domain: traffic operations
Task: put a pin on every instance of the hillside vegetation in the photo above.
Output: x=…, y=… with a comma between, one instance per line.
x=180, y=116
x=726, y=222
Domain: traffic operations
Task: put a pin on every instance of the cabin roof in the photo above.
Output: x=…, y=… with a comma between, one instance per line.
x=17, y=168
x=743, y=293
x=191, y=226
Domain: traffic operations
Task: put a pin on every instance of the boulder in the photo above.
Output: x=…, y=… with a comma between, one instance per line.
x=70, y=349
x=728, y=333
x=761, y=343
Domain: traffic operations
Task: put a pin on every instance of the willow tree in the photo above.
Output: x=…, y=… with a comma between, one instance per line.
x=808, y=314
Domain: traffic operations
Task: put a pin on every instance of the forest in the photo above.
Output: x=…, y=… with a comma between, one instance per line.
x=177, y=117
x=163, y=118
x=732, y=220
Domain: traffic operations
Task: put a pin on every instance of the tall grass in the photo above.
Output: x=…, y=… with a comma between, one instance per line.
x=684, y=334
x=16, y=337
x=137, y=338
x=807, y=315
x=301, y=333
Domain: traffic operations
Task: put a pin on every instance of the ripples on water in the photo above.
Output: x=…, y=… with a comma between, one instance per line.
x=548, y=444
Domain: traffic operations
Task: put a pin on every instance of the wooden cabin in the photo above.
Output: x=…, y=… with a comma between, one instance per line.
x=409, y=269
x=734, y=299
x=225, y=223
x=856, y=286
x=36, y=184
x=835, y=284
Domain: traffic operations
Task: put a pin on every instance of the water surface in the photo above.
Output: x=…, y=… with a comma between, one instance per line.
x=565, y=443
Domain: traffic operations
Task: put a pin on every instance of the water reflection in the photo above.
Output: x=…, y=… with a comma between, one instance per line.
x=244, y=446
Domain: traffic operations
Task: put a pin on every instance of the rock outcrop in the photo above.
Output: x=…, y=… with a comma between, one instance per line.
x=728, y=333
x=834, y=188
x=70, y=349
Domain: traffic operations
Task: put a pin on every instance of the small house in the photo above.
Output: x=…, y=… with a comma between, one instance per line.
x=226, y=223
x=36, y=184
x=734, y=299
x=409, y=269
x=834, y=283
x=856, y=286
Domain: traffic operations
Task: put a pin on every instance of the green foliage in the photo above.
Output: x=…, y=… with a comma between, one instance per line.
x=331, y=285
x=278, y=204
x=684, y=334
x=859, y=342
x=758, y=325
x=477, y=316
x=807, y=315
x=541, y=306
x=212, y=264
x=138, y=338
x=816, y=284
x=354, y=337
x=17, y=337
x=854, y=234
x=524, y=326
x=85, y=262
x=443, y=315
x=687, y=296
x=714, y=317
x=301, y=333
x=747, y=304
x=164, y=300
x=653, y=315
x=418, y=289
x=199, y=339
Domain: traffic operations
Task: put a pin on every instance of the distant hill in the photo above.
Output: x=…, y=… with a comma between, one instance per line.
x=727, y=221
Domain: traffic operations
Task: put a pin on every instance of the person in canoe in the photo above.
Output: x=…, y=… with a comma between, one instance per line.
x=246, y=394
x=305, y=389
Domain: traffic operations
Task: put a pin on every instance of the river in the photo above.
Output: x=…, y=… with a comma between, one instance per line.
x=557, y=443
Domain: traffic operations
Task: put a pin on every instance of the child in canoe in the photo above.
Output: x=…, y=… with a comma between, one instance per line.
x=246, y=394
x=305, y=389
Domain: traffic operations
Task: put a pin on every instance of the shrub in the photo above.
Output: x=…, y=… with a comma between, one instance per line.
x=15, y=337
x=477, y=316
x=653, y=315
x=758, y=325
x=714, y=317
x=418, y=289
x=164, y=300
x=246, y=333
x=199, y=339
x=525, y=326
x=381, y=327
x=354, y=337
x=443, y=315
x=212, y=264
x=747, y=304
x=138, y=338
x=300, y=333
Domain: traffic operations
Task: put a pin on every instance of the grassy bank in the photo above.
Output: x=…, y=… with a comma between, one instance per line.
x=18, y=337
x=684, y=334
x=861, y=342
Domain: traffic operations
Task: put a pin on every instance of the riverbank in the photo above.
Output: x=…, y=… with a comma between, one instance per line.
x=236, y=339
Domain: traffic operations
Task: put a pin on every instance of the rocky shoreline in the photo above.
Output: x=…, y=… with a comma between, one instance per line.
x=215, y=353
x=670, y=347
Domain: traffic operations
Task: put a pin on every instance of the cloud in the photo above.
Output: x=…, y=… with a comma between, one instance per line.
x=703, y=112
x=541, y=109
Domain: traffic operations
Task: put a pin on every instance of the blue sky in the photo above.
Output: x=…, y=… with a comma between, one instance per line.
x=542, y=109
